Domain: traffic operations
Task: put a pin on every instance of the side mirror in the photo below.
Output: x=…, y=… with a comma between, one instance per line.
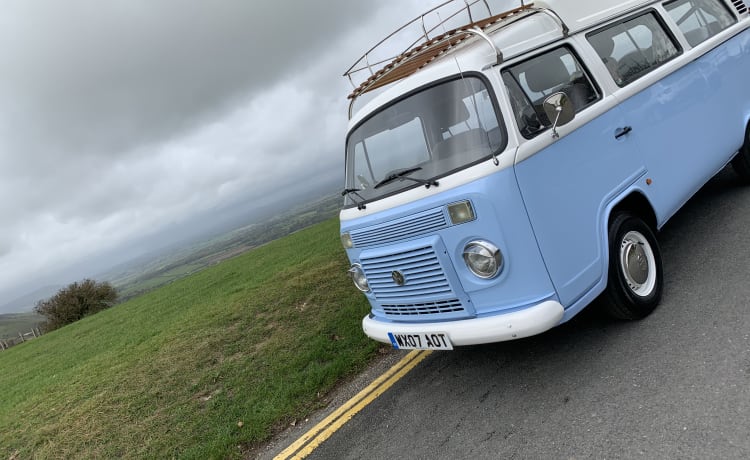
x=559, y=110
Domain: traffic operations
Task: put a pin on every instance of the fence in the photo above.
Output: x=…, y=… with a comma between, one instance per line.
x=22, y=337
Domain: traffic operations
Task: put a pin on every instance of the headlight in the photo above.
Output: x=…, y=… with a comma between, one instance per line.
x=461, y=212
x=359, y=278
x=346, y=240
x=483, y=259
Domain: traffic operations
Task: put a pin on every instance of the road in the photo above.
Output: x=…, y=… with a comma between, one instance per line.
x=675, y=385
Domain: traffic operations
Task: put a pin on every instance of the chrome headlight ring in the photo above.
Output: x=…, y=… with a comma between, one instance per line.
x=483, y=259
x=359, y=278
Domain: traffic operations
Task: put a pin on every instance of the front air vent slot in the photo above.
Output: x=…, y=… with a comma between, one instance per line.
x=425, y=308
x=740, y=6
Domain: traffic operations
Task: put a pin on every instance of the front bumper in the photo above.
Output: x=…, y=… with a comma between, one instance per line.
x=509, y=326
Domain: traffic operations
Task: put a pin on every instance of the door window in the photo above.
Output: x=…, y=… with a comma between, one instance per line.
x=530, y=82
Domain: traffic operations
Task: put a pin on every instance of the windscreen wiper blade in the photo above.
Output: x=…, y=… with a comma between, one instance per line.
x=354, y=191
x=403, y=174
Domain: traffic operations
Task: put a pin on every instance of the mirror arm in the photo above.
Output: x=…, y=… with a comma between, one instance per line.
x=555, y=134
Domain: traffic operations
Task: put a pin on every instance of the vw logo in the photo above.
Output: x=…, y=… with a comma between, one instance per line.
x=398, y=277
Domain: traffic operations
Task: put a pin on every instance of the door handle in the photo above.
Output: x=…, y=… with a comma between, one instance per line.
x=619, y=132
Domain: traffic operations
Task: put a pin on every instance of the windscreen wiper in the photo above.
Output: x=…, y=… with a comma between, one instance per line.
x=354, y=191
x=403, y=174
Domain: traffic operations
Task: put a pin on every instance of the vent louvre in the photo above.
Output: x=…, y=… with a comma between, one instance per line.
x=740, y=6
x=420, y=267
x=412, y=226
x=424, y=308
x=424, y=289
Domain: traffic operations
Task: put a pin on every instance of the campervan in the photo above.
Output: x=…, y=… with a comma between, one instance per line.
x=508, y=168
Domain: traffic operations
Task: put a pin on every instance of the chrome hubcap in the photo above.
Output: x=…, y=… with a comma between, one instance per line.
x=637, y=263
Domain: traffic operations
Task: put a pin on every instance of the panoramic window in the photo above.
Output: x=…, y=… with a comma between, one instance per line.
x=422, y=137
x=699, y=20
x=633, y=48
x=531, y=82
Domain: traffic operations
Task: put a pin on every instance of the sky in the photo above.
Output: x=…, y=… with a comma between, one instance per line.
x=128, y=124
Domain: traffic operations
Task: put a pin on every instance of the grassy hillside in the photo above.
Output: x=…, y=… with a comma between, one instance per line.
x=202, y=368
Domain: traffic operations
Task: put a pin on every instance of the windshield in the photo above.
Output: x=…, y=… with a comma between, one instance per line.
x=420, y=138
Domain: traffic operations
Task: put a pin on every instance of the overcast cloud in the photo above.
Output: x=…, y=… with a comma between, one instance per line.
x=123, y=119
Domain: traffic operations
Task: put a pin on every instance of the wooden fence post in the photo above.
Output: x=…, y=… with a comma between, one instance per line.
x=21, y=335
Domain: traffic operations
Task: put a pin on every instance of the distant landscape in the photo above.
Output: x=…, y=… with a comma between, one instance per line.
x=147, y=273
x=13, y=323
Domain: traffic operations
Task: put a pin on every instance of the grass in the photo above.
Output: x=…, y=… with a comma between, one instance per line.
x=206, y=367
x=130, y=290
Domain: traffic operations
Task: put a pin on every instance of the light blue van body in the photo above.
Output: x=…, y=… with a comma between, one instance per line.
x=685, y=128
x=548, y=212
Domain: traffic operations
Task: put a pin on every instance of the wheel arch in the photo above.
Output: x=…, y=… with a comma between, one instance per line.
x=632, y=200
x=637, y=204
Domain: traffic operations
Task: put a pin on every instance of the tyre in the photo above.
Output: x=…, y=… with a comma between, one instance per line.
x=741, y=162
x=636, y=276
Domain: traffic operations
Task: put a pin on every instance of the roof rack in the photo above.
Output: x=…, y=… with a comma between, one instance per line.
x=428, y=46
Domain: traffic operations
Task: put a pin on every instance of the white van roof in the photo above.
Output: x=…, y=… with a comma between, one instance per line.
x=511, y=33
x=579, y=15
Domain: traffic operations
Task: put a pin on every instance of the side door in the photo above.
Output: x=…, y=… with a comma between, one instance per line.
x=668, y=103
x=567, y=183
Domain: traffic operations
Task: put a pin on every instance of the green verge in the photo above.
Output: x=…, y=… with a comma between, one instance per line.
x=206, y=367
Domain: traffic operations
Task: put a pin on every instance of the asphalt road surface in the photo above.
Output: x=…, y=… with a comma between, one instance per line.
x=674, y=385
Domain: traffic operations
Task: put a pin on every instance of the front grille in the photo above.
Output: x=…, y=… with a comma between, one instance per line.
x=740, y=6
x=425, y=308
x=425, y=285
x=401, y=229
x=420, y=268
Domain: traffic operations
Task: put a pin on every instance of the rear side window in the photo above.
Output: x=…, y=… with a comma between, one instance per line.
x=699, y=20
x=633, y=48
x=531, y=81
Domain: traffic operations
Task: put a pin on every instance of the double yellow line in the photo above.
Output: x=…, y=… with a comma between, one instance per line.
x=302, y=447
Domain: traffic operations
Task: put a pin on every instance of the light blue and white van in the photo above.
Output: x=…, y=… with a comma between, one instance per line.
x=510, y=168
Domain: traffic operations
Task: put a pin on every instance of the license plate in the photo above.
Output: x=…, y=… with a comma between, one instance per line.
x=420, y=341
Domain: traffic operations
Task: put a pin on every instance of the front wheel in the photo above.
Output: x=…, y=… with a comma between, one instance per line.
x=635, y=279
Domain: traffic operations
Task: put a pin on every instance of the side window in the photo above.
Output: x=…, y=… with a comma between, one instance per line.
x=531, y=81
x=632, y=48
x=699, y=19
